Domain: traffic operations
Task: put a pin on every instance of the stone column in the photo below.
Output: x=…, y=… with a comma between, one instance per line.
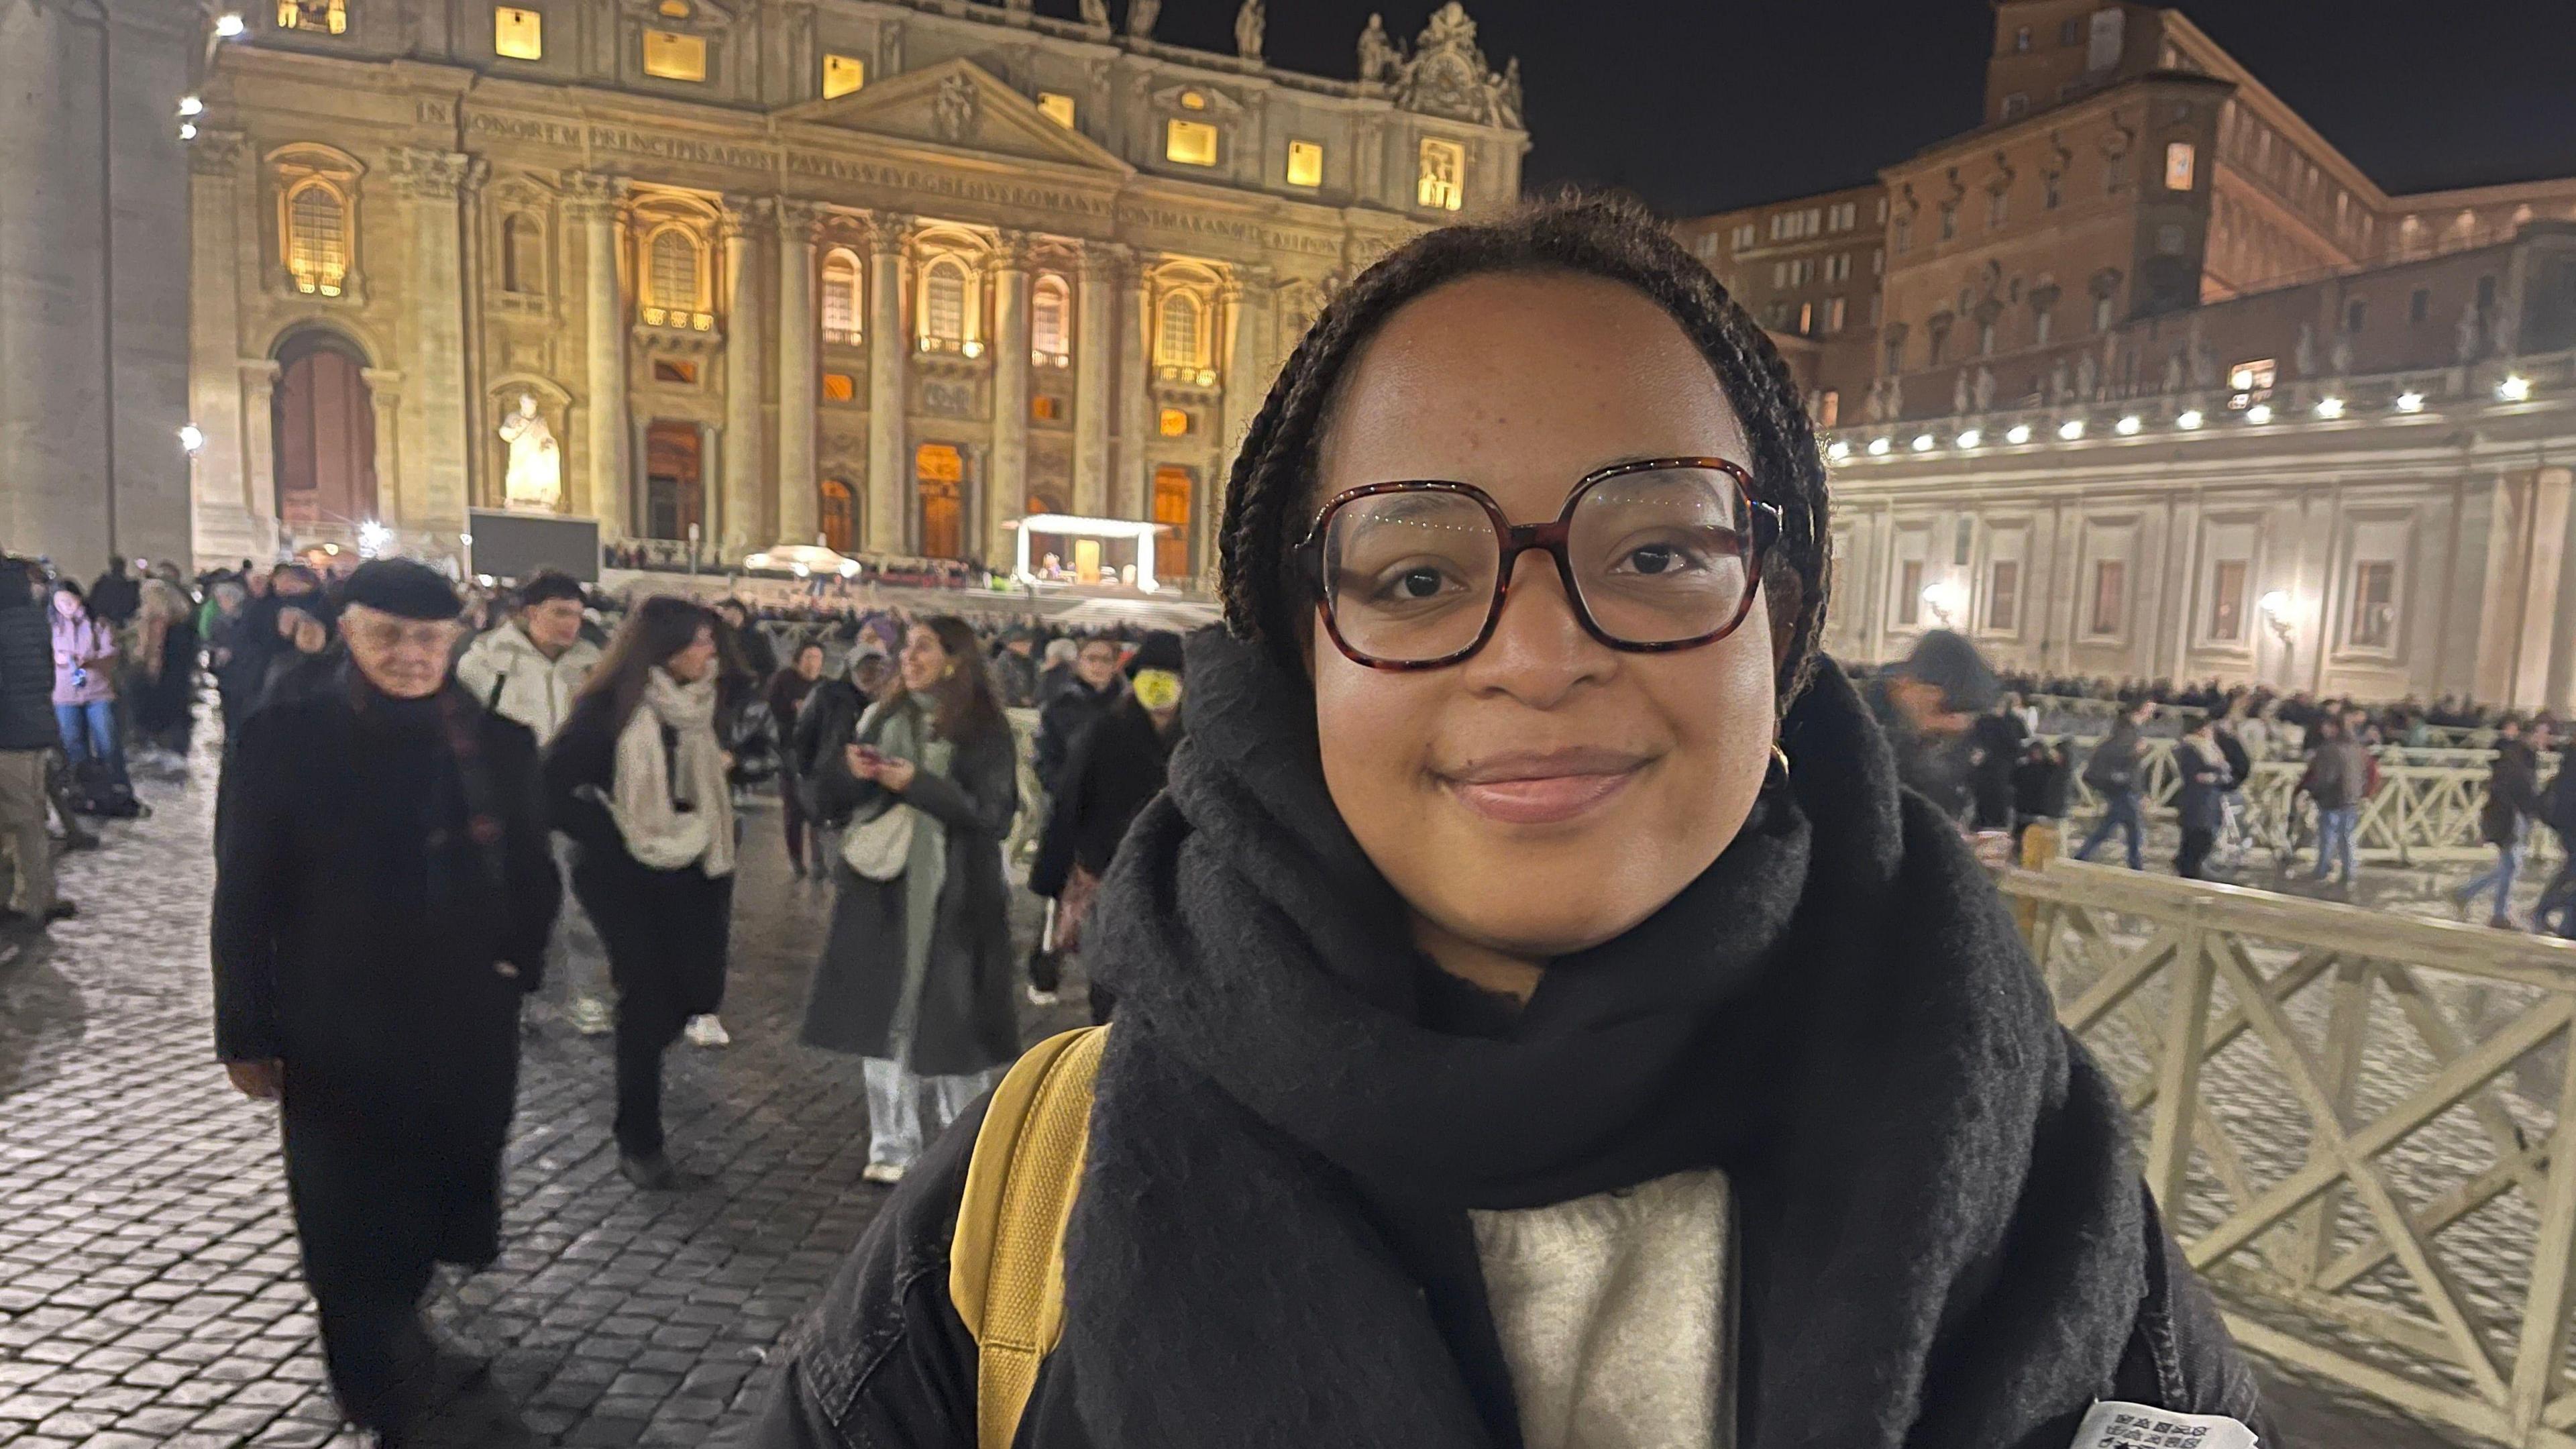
x=1094, y=328
x=744, y=528
x=1007, y=495
x=259, y=445
x=385, y=391
x=798, y=502
x=889, y=356
x=1128, y=494
x=435, y=501
x=605, y=488
x=223, y=523
x=1246, y=297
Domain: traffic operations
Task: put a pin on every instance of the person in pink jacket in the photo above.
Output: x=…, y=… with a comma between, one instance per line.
x=85, y=658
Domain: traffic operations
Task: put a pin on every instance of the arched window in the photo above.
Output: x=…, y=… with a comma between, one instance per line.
x=1050, y=332
x=1177, y=331
x=672, y=272
x=943, y=304
x=523, y=254
x=317, y=238
x=841, y=297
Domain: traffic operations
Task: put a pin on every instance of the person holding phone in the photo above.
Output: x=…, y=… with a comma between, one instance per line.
x=915, y=974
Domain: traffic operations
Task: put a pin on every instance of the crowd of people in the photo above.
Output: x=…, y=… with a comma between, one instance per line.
x=895, y=571
x=1971, y=739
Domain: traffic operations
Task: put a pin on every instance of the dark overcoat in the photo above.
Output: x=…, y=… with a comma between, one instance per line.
x=383, y=894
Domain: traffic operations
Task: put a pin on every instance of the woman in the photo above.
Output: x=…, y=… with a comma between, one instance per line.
x=916, y=969
x=1117, y=766
x=788, y=689
x=85, y=660
x=165, y=644
x=1485, y=959
x=637, y=779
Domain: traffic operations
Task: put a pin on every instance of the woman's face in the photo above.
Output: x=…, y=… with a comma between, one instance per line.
x=925, y=660
x=1549, y=792
x=65, y=604
x=809, y=662
x=695, y=662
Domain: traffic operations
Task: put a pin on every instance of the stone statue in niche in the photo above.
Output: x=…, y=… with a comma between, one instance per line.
x=1507, y=93
x=2088, y=377
x=2305, y=353
x=2465, y=343
x=1248, y=22
x=533, y=483
x=1982, y=392
x=2339, y=356
x=2204, y=366
x=2173, y=373
x=2501, y=333
x=1096, y=13
x=2057, y=380
x=1378, y=58
x=952, y=111
x=1141, y=15
x=1959, y=393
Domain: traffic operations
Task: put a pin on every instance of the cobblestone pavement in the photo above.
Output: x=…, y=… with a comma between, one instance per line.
x=149, y=1291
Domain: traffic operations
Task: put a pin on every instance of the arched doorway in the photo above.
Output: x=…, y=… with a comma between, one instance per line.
x=674, y=493
x=939, y=473
x=1173, y=489
x=323, y=418
x=839, y=514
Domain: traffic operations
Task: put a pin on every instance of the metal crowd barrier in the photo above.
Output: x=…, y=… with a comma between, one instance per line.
x=2422, y=813
x=2361, y=1127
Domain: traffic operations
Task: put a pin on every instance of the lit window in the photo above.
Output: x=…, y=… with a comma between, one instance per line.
x=1175, y=423
x=1049, y=337
x=1046, y=408
x=943, y=303
x=317, y=238
x=2110, y=596
x=1191, y=143
x=1305, y=163
x=518, y=34
x=2374, y=604
x=669, y=370
x=330, y=17
x=2227, y=601
x=672, y=56
x=672, y=275
x=1176, y=332
x=841, y=298
x=1058, y=107
x=839, y=387
x=1806, y=318
x=1193, y=101
x=2181, y=159
x=1443, y=178
x=843, y=74
x=1833, y=316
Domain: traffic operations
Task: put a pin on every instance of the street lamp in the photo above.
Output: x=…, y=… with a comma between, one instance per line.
x=2275, y=607
x=1945, y=599
x=2189, y=420
x=229, y=26
x=2514, y=388
x=192, y=439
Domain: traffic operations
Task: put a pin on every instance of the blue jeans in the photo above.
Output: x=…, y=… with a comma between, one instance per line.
x=2334, y=840
x=2119, y=810
x=89, y=732
x=2498, y=878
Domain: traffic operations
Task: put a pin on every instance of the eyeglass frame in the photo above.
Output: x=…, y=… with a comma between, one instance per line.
x=1551, y=538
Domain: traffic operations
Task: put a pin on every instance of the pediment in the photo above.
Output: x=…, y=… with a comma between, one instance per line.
x=959, y=105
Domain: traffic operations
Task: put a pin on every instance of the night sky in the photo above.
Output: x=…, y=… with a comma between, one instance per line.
x=1703, y=105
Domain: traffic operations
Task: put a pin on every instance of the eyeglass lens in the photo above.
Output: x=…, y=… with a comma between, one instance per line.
x=1658, y=557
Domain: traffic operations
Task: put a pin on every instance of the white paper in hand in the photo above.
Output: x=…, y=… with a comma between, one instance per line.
x=2115, y=1425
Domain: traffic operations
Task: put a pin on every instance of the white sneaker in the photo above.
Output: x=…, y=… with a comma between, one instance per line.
x=589, y=1016
x=885, y=1172
x=1042, y=998
x=706, y=1031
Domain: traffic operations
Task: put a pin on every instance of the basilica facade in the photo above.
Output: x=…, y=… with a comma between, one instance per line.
x=724, y=274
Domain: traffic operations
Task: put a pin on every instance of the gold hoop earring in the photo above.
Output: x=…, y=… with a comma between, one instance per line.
x=949, y=673
x=1778, y=773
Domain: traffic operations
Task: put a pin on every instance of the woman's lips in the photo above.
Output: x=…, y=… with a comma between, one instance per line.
x=1542, y=789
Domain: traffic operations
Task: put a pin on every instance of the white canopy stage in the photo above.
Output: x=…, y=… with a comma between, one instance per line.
x=1085, y=535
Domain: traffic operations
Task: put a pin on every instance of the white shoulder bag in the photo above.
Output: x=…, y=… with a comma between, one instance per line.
x=879, y=849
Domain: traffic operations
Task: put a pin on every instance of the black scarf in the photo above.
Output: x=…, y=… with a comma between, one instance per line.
x=1942, y=1234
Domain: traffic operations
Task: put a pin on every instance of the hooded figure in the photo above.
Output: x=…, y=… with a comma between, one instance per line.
x=369, y=963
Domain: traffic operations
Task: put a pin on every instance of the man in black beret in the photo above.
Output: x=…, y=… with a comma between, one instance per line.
x=383, y=895
x=1925, y=705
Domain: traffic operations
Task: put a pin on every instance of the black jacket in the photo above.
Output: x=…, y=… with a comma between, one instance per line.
x=885, y=1359
x=361, y=943
x=2513, y=792
x=26, y=676
x=2113, y=768
x=115, y=597
x=1116, y=767
x=828, y=720
x=2204, y=782
x=1066, y=714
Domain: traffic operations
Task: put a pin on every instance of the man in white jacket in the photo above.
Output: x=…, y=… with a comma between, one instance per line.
x=529, y=669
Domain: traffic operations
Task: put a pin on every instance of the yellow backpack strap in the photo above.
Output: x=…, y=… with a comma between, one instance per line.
x=1006, y=1263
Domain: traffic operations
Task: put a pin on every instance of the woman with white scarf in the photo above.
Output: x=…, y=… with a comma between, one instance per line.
x=637, y=779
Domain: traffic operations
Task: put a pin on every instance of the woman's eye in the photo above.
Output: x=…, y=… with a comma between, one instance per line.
x=1661, y=558
x=1409, y=583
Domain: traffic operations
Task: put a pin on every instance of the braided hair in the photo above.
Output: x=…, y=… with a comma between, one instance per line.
x=1269, y=500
